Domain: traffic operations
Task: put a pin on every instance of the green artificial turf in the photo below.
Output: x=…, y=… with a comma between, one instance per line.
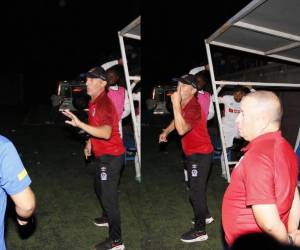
x=154, y=213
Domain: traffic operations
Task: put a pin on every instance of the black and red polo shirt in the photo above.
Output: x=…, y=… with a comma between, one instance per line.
x=197, y=140
x=102, y=112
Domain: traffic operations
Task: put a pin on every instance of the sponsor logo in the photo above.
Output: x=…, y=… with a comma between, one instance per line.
x=194, y=173
x=94, y=112
x=236, y=111
x=103, y=176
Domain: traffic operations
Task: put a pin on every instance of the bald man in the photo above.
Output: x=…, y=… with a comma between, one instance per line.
x=263, y=195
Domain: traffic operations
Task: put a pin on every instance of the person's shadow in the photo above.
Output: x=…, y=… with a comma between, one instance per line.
x=259, y=241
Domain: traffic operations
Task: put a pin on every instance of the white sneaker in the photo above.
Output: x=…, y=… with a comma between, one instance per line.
x=101, y=222
x=209, y=220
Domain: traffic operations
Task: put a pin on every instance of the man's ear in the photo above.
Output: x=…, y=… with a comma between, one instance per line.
x=104, y=83
x=262, y=122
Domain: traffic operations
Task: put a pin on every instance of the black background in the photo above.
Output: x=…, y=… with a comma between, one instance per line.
x=49, y=41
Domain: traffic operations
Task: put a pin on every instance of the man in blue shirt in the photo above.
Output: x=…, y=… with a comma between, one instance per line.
x=15, y=182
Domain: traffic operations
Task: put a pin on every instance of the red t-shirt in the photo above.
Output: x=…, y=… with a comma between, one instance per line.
x=103, y=112
x=197, y=140
x=267, y=174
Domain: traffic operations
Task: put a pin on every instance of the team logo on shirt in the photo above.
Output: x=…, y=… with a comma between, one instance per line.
x=94, y=112
x=236, y=111
x=194, y=173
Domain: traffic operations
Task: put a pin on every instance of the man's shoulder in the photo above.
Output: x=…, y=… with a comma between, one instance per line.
x=270, y=141
x=104, y=100
x=193, y=104
x=283, y=146
x=228, y=98
x=266, y=150
x=4, y=142
x=192, y=110
x=105, y=104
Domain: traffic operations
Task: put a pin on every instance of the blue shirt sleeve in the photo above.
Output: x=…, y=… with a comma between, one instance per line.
x=298, y=154
x=298, y=151
x=13, y=176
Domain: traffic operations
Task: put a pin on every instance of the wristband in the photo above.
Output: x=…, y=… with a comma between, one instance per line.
x=24, y=219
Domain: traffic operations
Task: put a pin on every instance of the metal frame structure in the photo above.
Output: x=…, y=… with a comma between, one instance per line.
x=297, y=140
x=133, y=31
x=257, y=29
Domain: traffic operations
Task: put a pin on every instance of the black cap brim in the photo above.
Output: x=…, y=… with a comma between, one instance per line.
x=176, y=79
x=184, y=81
x=91, y=75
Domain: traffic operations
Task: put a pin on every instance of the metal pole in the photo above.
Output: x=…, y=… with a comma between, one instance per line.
x=133, y=116
x=213, y=82
x=266, y=84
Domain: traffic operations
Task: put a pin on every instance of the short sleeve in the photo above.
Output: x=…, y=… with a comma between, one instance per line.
x=14, y=177
x=225, y=99
x=259, y=180
x=221, y=99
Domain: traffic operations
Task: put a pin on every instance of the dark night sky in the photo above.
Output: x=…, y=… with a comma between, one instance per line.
x=173, y=37
x=53, y=40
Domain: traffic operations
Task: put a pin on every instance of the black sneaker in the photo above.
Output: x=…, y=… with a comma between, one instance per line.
x=110, y=245
x=194, y=236
x=101, y=222
x=207, y=220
